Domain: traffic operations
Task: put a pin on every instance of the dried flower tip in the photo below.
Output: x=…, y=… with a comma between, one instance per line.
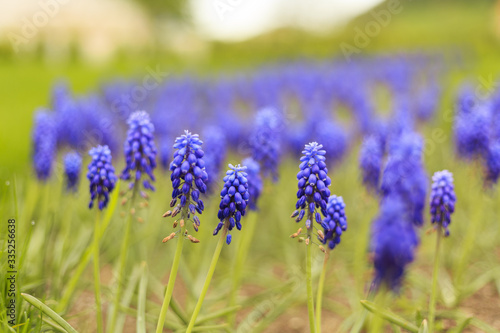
x=294, y=235
x=176, y=211
x=321, y=235
x=299, y=231
x=192, y=239
x=175, y=224
x=124, y=201
x=132, y=211
x=322, y=249
x=167, y=213
x=181, y=222
x=140, y=220
x=122, y=193
x=144, y=195
x=301, y=239
x=169, y=237
x=307, y=241
x=195, y=227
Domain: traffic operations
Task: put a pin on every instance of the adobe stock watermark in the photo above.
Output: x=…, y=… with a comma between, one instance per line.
x=129, y=101
x=223, y=7
x=364, y=35
x=31, y=25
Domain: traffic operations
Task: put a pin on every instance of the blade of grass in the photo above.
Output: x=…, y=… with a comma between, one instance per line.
x=389, y=316
x=141, y=301
x=49, y=312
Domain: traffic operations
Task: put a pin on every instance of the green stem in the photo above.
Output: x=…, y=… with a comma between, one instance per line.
x=123, y=262
x=97, y=274
x=319, y=297
x=432, y=303
x=171, y=281
x=310, y=297
x=210, y=273
x=239, y=261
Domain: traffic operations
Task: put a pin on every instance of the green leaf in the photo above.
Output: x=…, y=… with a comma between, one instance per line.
x=218, y=314
x=389, y=316
x=463, y=325
x=423, y=328
x=49, y=312
x=141, y=300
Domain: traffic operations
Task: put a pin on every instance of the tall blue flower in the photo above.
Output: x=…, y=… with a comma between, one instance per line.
x=101, y=175
x=370, y=160
x=215, y=149
x=266, y=140
x=393, y=243
x=139, y=149
x=404, y=175
x=335, y=221
x=188, y=176
x=443, y=199
x=472, y=132
x=44, y=144
x=72, y=168
x=234, y=199
x=254, y=181
x=313, y=183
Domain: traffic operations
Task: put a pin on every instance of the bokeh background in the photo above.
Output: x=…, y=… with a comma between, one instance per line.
x=88, y=42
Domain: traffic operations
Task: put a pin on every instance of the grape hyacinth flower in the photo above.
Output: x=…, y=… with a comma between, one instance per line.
x=140, y=150
x=313, y=194
x=188, y=177
x=266, y=141
x=442, y=201
x=188, y=181
x=234, y=199
x=393, y=243
x=101, y=175
x=370, y=161
x=254, y=181
x=313, y=183
x=472, y=132
x=72, y=167
x=335, y=221
x=44, y=144
x=215, y=152
x=404, y=175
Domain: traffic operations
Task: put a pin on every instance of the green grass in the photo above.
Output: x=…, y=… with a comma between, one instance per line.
x=55, y=230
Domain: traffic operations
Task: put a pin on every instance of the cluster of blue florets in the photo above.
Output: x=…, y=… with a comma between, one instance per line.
x=370, y=161
x=188, y=174
x=44, y=145
x=335, y=222
x=139, y=149
x=393, y=243
x=72, y=166
x=313, y=183
x=266, y=141
x=442, y=201
x=101, y=175
x=234, y=198
x=215, y=149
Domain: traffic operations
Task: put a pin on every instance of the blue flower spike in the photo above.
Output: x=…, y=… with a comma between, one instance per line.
x=443, y=199
x=313, y=193
x=335, y=222
x=140, y=151
x=101, y=175
x=234, y=200
x=189, y=180
x=72, y=167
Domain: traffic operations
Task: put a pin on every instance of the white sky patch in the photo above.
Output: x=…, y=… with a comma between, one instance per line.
x=235, y=20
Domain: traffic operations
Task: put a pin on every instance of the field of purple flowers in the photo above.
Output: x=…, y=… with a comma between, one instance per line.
x=304, y=196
